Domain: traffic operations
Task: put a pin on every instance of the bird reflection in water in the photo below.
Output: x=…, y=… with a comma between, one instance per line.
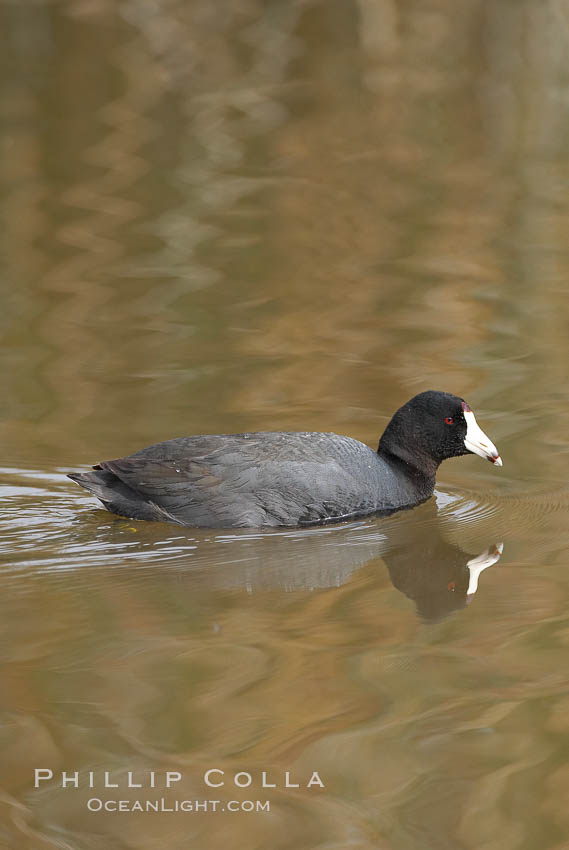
x=437, y=575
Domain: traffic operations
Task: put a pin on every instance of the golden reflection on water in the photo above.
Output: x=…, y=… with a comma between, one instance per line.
x=244, y=215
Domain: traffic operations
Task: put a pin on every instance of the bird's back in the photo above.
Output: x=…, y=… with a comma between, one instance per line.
x=250, y=479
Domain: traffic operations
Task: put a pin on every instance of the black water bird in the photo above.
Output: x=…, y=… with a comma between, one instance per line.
x=276, y=478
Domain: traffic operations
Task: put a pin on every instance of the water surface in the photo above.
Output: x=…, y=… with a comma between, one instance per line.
x=287, y=216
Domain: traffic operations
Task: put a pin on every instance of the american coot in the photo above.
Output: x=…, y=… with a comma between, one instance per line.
x=290, y=479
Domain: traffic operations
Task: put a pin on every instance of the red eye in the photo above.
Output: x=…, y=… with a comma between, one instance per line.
x=449, y=420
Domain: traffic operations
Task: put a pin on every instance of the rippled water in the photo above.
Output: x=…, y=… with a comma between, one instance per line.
x=287, y=216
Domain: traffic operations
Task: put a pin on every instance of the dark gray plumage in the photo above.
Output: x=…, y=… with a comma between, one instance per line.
x=283, y=479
